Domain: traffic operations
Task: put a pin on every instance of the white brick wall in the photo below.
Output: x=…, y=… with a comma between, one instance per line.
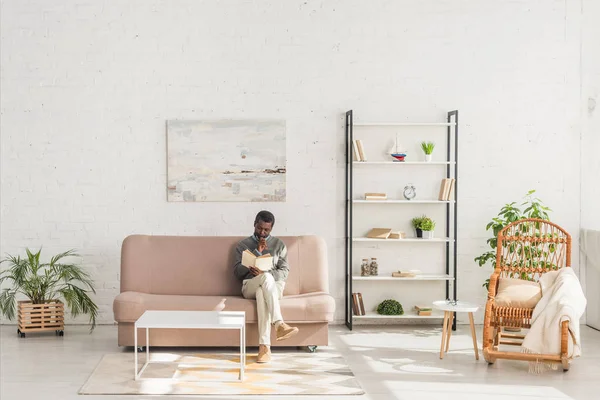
x=87, y=87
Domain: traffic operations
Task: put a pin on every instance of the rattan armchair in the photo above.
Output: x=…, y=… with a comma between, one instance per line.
x=525, y=249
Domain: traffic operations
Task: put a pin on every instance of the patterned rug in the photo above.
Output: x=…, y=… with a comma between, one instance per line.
x=320, y=373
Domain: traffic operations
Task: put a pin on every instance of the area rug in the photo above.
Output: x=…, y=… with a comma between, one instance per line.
x=291, y=373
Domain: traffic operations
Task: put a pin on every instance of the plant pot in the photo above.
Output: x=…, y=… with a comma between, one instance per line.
x=49, y=316
x=419, y=232
x=427, y=234
x=428, y=157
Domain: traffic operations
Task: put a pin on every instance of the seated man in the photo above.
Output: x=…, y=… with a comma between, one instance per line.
x=265, y=287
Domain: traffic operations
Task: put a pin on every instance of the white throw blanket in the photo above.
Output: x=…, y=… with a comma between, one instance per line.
x=562, y=299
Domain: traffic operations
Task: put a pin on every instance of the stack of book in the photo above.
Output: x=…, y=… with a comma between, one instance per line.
x=446, y=189
x=375, y=196
x=357, y=304
x=405, y=274
x=359, y=151
x=379, y=233
x=423, y=310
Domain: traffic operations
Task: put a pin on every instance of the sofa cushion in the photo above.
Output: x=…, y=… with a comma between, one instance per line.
x=179, y=265
x=311, y=307
x=517, y=293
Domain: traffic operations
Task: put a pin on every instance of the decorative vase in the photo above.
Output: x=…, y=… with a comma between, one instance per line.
x=374, y=267
x=428, y=157
x=364, y=268
x=427, y=234
x=419, y=232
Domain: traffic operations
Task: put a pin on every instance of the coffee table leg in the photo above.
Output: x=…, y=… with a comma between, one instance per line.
x=242, y=352
x=444, y=333
x=147, y=345
x=474, y=335
x=135, y=363
x=449, y=330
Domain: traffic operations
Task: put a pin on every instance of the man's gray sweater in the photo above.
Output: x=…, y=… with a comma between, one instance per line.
x=275, y=247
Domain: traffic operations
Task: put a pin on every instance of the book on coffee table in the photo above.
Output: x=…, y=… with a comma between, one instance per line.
x=264, y=262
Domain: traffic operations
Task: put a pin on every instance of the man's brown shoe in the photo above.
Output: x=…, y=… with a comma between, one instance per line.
x=284, y=331
x=264, y=354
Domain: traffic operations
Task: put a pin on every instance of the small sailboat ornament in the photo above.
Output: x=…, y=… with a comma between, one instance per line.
x=396, y=153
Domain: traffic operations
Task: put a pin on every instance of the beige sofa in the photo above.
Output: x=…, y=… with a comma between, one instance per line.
x=196, y=273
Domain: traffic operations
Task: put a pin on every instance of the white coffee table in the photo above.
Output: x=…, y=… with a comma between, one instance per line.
x=189, y=320
x=449, y=308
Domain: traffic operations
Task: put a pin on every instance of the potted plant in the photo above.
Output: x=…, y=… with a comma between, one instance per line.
x=390, y=307
x=534, y=208
x=416, y=223
x=427, y=225
x=427, y=149
x=44, y=284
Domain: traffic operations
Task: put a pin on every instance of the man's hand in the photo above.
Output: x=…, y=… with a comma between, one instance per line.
x=262, y=245
x=255, y=271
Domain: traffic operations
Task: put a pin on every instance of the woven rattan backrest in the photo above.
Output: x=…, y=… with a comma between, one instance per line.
x=528, y=248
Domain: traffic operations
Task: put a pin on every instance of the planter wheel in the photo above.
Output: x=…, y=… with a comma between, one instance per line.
x=21, y=334
x=60, y=332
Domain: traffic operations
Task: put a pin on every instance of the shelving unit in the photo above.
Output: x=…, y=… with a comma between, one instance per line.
x=422, y=277
x=402, y=241
x=374, y=315
x=448, y=276
x=404, y=163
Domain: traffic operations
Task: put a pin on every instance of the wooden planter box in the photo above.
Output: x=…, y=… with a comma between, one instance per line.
x=49, y=316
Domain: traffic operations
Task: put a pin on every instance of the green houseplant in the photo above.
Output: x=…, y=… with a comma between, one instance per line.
x=427, y=225
x=427, y=149
x=534, y=208
x=390, y=307
x=46, y=282
x=416, y=224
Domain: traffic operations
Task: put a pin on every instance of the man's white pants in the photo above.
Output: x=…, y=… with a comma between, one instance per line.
x=267, y=293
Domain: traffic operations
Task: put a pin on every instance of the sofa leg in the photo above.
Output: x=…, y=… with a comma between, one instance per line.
x=312, y=349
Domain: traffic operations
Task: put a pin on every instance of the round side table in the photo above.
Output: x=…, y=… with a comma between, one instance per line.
x=449, y=308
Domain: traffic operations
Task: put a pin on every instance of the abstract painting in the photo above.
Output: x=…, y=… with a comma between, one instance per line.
x=226, y=160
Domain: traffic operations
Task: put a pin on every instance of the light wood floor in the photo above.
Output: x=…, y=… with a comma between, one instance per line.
x=391, y=363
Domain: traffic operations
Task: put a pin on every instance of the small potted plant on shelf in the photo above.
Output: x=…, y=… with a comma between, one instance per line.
x=427, y=225
x=427, y=149
x=44, y=284
x=416, y=223
x=390, y=307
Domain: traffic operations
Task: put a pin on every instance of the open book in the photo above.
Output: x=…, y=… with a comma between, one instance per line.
x=264, y=262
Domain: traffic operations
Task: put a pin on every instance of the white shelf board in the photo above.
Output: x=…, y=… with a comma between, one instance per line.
x=403, y=162
x=374, y=315
x=407, y=240
x=421, y=277
x=367, y=123
x=403, y=201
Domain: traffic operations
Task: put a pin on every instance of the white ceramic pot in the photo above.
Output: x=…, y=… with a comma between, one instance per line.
x=428, y=157
x=427, y=234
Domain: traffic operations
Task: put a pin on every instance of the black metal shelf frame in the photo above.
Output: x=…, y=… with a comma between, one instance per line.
x=451, y=212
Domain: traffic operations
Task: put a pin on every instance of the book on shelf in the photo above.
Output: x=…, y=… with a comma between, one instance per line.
x=375, y=196
x=397, y=235
x=423, y=310
x=446, y=189
x=358, y=306
x=361, y=150
x=264, y=262
x=405, y=274
x=355, y=151
x=379, y=233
